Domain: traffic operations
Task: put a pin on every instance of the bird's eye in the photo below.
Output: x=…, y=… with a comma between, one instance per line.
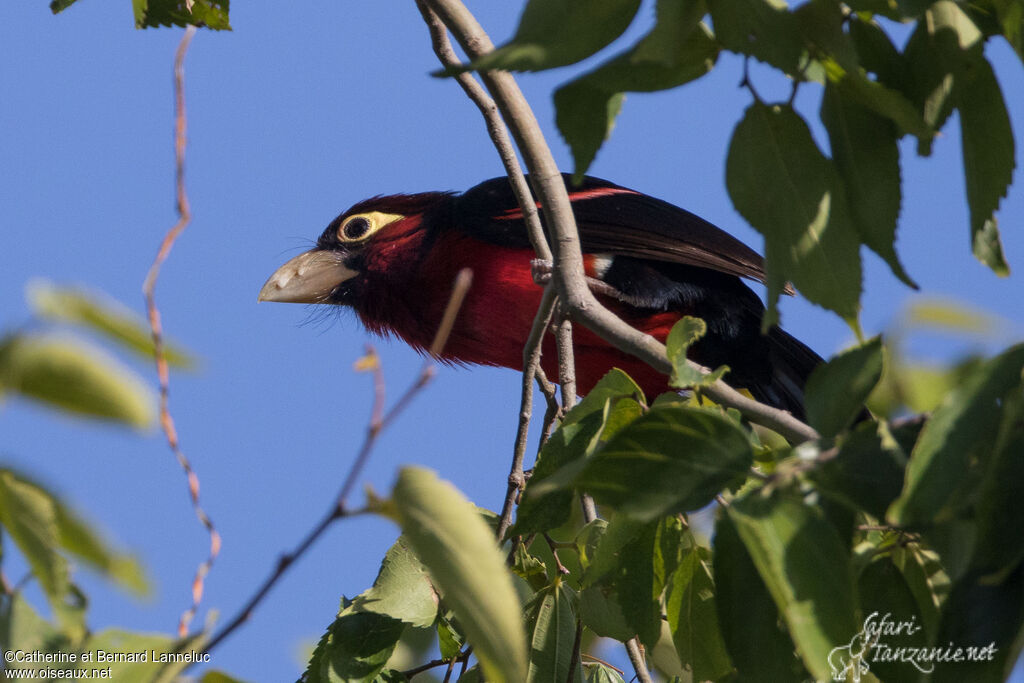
x=355, y=228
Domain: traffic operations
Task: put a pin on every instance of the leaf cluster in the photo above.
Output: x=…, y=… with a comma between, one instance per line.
x=67, y=374
x=211, y=14
x=911, y=518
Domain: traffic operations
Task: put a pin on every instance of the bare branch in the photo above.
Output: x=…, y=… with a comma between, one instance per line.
x=566, y=362
x=569, y=274
x=636, y=657
x=156, y=329
x=495, y=128
x=531, y=364
x=377, y=424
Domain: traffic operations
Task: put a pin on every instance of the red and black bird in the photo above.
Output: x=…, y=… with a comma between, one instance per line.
x=393, y=259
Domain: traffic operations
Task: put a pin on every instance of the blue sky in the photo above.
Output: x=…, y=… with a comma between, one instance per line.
x=293, y=117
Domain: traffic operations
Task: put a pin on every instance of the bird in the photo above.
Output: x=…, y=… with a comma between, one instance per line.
x=393, y=259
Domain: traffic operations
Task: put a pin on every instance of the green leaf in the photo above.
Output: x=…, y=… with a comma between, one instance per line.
x=402, y=589
x=677, y=50
x=939, y=462
x=671, y=459
x=541, y=510
x=876, y=52
x=998, y=511
x=866, y=474
x=601, y=612
x=596, y=672
x=214, y=676
x=621, y=597
x=450, y=641
x=614, y=385
x=763, y=29
x=74, y=377
x=588, y=540
x=693, y=618
x=355, y=647
x=786, y=189
x=611, y=552
x=988, y=618
x=155, y=646
x=1010, y=14
x=987, y=246
x=753, y=632
x=942, y=46
x=866, y=155
x=551, y=627
x=884, y=591
x=886, y=102
x=58, y=6
x=212, y=14
x=921, y=388
x=108, y=317
x=459, y=550
x=988, y=149
x=684, y=334
x=580, y=431
x=635, y=589
x=673, y=541
x=530, y=568
x=923, y=573
x=21, y=628
x=585, y=116
x=836, y=391
x=949, y=316
x=805, y=567
x=76, y=537
x=29, y=517
x=555, y=33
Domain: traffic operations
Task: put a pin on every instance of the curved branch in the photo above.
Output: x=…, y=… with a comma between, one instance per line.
x=570, y=282
x=495, y=128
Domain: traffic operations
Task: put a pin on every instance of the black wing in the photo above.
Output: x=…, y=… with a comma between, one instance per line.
x=614, y=220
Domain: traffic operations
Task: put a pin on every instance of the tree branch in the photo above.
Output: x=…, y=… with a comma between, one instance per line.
x=156, y=330
x=547, y=183
x=636, y=657
x=495, y=128
x=531, y=364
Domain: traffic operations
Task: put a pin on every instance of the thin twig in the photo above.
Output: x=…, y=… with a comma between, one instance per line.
x=547, y=183
x=553, y=547
x=434, y=663
x=156, y=329
x=566, y=363
x=547, y=388
x=495, y=128
x=377, y=425
x=601, y=661
x=636, y=657
x=531, y=363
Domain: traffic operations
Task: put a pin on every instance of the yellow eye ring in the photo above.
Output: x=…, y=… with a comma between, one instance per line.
x=360, y=226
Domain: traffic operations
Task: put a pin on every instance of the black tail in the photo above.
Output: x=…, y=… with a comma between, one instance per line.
x=791, y=362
